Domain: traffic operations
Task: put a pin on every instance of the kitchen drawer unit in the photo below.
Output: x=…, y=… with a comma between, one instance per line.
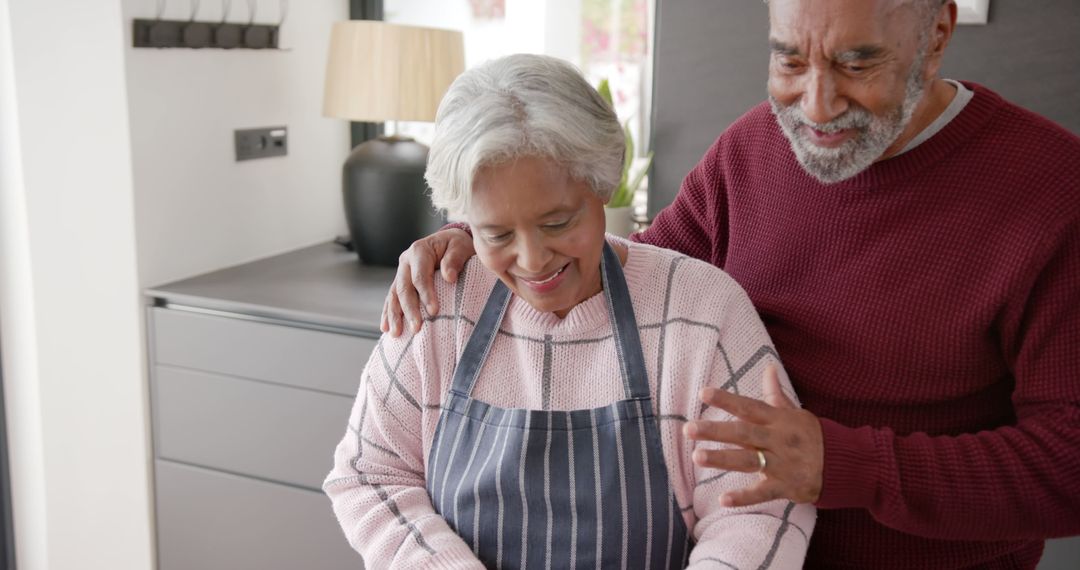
x=253, y=370
x=247, y=427
x=241, y=346
x=208, y=520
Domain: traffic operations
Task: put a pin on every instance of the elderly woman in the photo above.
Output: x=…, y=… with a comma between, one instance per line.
x=536, y=421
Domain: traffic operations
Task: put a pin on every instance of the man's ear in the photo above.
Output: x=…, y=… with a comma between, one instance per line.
x=940, y=36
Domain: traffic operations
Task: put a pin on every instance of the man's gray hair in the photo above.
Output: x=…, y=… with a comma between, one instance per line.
x=517, y=106
x=926, y=9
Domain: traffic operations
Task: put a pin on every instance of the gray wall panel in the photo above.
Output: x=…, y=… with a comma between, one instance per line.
x=712, y=57
x=1029, y=53
x=711, y=65
x=1061, y=554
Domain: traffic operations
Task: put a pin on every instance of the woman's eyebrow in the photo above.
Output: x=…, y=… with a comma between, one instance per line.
x=559, y=210
x=566, y=209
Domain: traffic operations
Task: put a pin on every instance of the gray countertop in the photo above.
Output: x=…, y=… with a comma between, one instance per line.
x=322, y=286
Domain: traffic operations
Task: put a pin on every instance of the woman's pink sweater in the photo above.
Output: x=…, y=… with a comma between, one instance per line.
x=697, y=329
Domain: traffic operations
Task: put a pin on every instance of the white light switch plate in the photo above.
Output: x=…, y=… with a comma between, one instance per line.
x=972, y=11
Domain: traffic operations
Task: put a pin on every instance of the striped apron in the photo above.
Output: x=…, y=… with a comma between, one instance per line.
x=557, y=489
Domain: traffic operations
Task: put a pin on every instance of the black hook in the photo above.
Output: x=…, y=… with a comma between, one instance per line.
x=163, y=33
x=226, y=35
x=196, y=34
x=255, y=36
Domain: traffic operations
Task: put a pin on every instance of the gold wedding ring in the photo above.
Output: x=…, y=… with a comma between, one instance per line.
x=761, y=461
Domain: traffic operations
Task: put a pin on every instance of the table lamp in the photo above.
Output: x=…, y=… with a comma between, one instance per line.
x=386, y=72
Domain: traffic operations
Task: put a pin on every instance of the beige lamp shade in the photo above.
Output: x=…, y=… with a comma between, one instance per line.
x=386, y=72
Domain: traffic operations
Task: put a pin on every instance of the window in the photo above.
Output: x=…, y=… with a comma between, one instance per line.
x=609, y=39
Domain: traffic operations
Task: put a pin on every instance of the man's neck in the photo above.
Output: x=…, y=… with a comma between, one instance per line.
x=935, y=99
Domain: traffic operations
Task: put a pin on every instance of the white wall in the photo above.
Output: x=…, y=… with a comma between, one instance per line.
x=73, y=368
x=117, y=173
x=197, y=209
x=17, y=315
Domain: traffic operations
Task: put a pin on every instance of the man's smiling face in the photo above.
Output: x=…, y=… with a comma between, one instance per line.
x=845, y=78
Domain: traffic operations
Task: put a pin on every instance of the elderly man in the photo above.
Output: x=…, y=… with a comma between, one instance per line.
x=913, y=246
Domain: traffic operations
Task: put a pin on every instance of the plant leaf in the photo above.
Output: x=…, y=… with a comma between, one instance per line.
x=624, y=193
x=605, y=92
x=633, y=185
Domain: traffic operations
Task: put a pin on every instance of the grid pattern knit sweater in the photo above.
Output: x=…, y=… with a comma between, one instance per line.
x=697, y=328
x=928, y=310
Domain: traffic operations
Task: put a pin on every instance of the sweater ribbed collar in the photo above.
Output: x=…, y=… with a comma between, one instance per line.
x=589, y=315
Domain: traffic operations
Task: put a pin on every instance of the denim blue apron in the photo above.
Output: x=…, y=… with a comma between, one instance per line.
x=557, y=489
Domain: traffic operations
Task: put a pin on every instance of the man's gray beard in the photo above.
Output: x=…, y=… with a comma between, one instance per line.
x=874, y=134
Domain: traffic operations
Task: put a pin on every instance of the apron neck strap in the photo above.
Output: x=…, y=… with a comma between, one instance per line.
x=624, y=326
x=480, y=341
x=620, y=312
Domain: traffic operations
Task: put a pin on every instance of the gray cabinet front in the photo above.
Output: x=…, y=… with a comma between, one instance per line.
x=247, y=427
x=246, y=415
x=253, y=371
x=208, y=520
x=279, y=353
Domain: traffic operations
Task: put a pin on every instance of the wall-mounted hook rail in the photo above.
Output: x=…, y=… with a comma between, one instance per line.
x=192, y=33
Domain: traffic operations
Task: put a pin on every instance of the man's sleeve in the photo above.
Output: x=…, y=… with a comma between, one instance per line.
x=1020, y=481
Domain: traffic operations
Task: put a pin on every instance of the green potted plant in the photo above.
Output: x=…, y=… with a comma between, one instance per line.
x=619, y=212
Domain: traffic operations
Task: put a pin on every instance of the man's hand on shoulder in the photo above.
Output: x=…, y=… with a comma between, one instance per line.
x=778, y=439
x=414, y=283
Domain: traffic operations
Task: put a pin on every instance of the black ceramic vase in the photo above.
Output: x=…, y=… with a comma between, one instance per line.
x=386, y=201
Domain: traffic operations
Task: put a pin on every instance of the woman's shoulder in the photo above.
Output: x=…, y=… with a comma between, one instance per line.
x=670, y=286
x=463, y=298
x=680, y=276
x=467, y=294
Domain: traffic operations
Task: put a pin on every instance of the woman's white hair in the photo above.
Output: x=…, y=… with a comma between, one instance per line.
x=517, y=106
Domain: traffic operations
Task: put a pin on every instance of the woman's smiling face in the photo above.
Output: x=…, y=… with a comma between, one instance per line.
x=540, y=230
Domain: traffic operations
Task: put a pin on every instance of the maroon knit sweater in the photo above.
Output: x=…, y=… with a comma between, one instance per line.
x=928, y=310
